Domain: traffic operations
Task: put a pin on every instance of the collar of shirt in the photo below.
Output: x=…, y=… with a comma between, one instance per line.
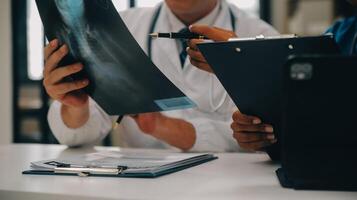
x=176, y=24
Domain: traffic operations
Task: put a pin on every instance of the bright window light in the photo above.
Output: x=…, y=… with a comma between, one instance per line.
x=35, y=40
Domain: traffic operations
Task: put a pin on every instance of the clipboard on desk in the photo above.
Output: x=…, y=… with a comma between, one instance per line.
x=119, y=164
x=251, y=69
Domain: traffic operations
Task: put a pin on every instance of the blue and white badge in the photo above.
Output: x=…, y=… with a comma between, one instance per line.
x=175, y=103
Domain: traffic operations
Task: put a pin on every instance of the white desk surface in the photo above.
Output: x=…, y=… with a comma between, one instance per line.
x=232, y=176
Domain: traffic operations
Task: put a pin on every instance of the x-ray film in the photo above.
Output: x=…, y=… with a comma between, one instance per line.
x=123, y=80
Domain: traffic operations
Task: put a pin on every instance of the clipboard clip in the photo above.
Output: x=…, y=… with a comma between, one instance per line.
x=87, y=171
x=262, y=37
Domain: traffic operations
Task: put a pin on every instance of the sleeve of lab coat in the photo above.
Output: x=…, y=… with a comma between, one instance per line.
x=95, y=129
x=213, y=131
x=213, y=136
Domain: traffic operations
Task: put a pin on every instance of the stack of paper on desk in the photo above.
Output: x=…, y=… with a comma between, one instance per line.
x=120, y=164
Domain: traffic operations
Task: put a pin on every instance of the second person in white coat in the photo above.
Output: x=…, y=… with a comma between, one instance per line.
x=78, y=120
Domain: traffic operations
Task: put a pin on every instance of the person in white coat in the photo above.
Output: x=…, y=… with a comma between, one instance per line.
x=76, y=119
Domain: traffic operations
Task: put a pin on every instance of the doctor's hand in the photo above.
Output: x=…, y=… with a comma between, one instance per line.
x=65, y=92
x=75, y=106
x=215, y=34
x=250, y=133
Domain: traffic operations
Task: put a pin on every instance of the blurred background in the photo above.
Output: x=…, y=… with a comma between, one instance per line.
x=23, y=102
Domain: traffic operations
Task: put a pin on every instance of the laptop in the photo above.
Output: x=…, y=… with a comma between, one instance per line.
x=319, y=134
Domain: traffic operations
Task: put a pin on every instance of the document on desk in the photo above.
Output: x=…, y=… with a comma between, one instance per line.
x=123, y=80
x=119, y=164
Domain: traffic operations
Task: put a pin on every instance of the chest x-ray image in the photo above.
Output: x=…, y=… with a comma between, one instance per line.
x=123, y=80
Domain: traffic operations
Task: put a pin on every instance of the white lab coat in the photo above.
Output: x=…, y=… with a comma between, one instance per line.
x=212, y=117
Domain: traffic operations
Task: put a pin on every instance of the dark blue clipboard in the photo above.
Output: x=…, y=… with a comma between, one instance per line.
x=251, y=70
x=131, y=175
